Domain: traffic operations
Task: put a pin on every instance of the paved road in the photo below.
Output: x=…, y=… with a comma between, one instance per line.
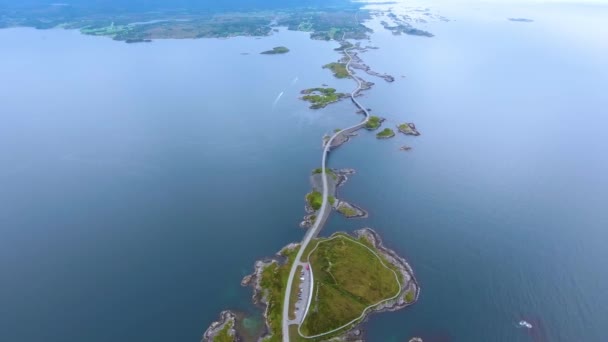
x=325, y=209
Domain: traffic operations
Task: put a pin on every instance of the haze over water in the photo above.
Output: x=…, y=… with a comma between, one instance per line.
x=141, y=182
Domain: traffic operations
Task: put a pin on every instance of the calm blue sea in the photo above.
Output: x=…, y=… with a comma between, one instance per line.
x=139, y=183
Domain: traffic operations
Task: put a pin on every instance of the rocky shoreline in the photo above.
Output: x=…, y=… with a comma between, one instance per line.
x=340, y=139
x=357, y=63
x=349, y=210
x=409, y=280
x=227, y=319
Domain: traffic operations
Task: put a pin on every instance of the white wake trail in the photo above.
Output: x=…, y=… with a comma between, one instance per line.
x=277, y=99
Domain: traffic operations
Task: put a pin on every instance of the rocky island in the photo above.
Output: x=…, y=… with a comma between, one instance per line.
x=385, y=134
x=406, y=29
x=275, y=51
x=374, y=123
x=521, y=20
x=357, y=63
x=342, y=298
x=408, y=128
x=321, y=97
x=313, y=200
x=338, y=69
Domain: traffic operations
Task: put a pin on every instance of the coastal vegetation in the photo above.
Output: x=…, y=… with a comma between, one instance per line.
x=373, y=122
x=385, y=134
x=339, y=69
x=224, y=335
x=329, y=24
x=321, y=97
x=315, y=200
x=348, y=278
x=327, y=171
x=347, y=211
x=410, y=296
x=149, y=21
x=273, y=283
x=276, y=50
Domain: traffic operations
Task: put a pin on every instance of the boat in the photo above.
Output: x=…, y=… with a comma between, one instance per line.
x=525, y=324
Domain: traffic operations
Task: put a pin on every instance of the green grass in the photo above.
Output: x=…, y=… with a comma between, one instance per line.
x=410, y=296
x=224, y=334
x=336, y=130
x=386, y=133
x=315, y=200
x=349, y=278
x=321, y=97
x=276, y=50
x=339, y=69
x=331, y=200
x=405, y=127
x=347, y=211
x=374, y=122
x=327, y=171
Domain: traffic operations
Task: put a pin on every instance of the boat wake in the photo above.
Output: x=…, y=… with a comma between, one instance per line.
x=274, y=104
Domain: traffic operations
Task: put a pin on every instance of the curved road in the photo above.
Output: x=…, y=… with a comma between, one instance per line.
x=320, y=220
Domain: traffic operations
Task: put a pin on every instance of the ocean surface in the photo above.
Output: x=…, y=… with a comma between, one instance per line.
x=139, y=183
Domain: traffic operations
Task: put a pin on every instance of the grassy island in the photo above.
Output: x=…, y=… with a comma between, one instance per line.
x=321, y=97
x=408, y=128
x=276, y=50
x=374, y=122
x=339, y=69
x=350, y=276
x=354, y=276
x=407, y=29
x=385, y=134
